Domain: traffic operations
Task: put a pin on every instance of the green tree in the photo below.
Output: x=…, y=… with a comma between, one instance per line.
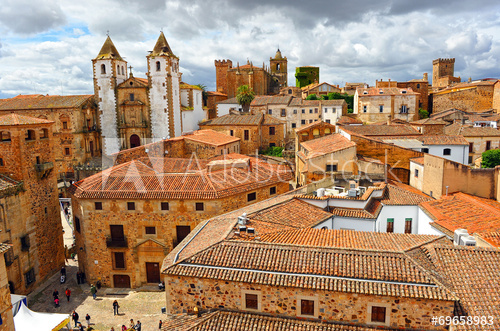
x=349, y=99
x=423, y=113
x=245, y=96
x=312, y=97
x=491, y=158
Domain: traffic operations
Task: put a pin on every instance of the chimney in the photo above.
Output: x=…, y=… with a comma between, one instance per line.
x=426, y=77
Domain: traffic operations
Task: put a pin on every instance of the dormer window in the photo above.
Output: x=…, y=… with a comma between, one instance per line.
x=103, y=69
x=380, y=92
x=403, y=91
x=365, y=92
x=158, y=66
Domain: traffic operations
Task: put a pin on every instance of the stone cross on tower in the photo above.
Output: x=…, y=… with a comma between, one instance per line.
x=130, y=69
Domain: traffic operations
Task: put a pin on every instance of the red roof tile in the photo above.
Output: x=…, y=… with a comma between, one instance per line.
x=44, y=102
x=383, y=130
x=327, y=144
x=16, y=119
x=314, y=124
x=211, y=137
x=371, y=91
x=236, y=120
x=261, y=100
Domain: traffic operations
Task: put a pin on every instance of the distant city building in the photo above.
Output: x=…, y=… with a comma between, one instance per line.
x=443, y=71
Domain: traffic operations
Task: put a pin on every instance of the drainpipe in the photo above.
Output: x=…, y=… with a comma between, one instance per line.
x=447, y=190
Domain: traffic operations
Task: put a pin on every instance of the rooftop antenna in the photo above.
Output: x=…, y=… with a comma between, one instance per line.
x=107, y=33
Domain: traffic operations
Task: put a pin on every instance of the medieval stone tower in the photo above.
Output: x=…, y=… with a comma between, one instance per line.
x=161, y=88
x=164, y=93
x=109, y=70
x=279, y=69
x=442, y=72
x=221, y=68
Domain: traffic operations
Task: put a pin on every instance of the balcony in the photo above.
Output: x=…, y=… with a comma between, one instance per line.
x=42, y=167
x=116, y=242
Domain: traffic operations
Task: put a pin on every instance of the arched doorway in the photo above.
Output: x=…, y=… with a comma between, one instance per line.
x=135, y=141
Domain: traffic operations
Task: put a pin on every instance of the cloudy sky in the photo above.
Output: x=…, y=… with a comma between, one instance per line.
x=46, y=46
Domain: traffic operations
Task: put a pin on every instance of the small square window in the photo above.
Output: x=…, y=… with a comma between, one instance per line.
x=165, y=206
x=65, y=125
x=272, y=190
x=130, y=205
x=447, y=151
x=310, y=111
x=283, y=112
x=66, y=151
x=272, y=130
x=294, y=125
x=378, y=314
x=328, y=121
x=307, y=307
x=200, y=206
x=295, y=111
x=331, y=167
x=252, y=196
x=310, y=121
x=251, y=301
x=381, y=109
x=98, y=205
x=270, y=111
x=303, y=111
x=303, y=122
x=150, y=229
x=315, y=110
x=326, y=110
x=416, y=173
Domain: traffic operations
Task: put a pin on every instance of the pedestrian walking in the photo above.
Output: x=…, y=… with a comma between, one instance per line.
x=55, y=294
x=124, y=328
x=93, y=290
x=115, y=307
x=138, y=326
x=56, y=302
x=68, y=293
x=159, y=325
x=78, y=277
x=87, y=318
x=132, y=325
x=112, y=329
x=80, y=327
x=63, y=271
x=75, y=317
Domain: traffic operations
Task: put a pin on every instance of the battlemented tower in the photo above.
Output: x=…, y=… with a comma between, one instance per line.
x=442, y=72
x=164, y=94
x=109, y=70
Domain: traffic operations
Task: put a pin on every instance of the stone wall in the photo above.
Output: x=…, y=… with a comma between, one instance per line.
x=185, y=293
x=5, y=300
x=256, y=78
x=471, y=99
x=278, y=138
x=248, y=146
x=221, y=68
x=142, y=247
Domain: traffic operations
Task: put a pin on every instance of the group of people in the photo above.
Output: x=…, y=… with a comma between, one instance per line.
x=78, y=324
x=55, y=294
x=133, y=326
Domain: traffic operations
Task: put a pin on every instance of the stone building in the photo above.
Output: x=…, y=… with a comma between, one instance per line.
x=474, y=96
x=323, y=157
x=442, y=73
x=319, y=89
x=261, y=80
x=130, y=216
x=420, y=86
x=306, y=75
x=312, y=131
x=480, y=139
x=6, y=316
x=377, y=104
x=262, y=270
x=257, y=132
x=29, y=207
x=134, y=111
x=76, y=126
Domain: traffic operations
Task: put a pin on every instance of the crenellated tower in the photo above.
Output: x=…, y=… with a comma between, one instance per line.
x=109, y=70
x=221, y=68
x=442, y=72
x=164, y=93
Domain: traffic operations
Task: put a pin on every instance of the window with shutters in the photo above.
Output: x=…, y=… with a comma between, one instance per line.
x=378, y=314
x=408, y=222
x=390, y=225
x=119, y=259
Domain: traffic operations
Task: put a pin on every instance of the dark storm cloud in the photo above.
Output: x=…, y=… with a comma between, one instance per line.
x=26, y=17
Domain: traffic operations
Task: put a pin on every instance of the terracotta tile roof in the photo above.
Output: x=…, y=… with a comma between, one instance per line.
x=335, y=102
x=464, y=211
x=261, y=100
x=371, y=91
x=309, y=126
x=470, y=131
x=294, y=213
x=4, y=247
x=236, y=120
x=384, y=130
x=238, y=321
x=362, y=240
x=16, y=119
x=443, y=140
x=271, y=120
x=466, y=85
x=299, y=102
x=216, y=93
x=44, y=102
x=347, y=120
x=419, y=160
x=211, y=137
x=370, y=212
x=483, y=117
x=170, y=178
x=229, y=101
x=402, y=194
x=327, y=144
x=351, y=271
x=429, y=121
x=473, y=274
x=493, y=238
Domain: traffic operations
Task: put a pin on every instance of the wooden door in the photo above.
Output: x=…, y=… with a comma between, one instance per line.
x=135, y=141
x=116, y=232
x=153, y=272
x=121, y=281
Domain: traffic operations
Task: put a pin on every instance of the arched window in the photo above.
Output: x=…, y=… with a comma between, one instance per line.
x=103, y=68
x=278, y=67
x=158, y=66
x=418, y=85
x=316, y=132
x=135, y=141
x=328, y=131
x=45, y=134
x=30, y=135
x=289, y=91
x=5, y=136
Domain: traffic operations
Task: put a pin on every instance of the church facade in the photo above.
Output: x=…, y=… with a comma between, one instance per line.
x=134, y=111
